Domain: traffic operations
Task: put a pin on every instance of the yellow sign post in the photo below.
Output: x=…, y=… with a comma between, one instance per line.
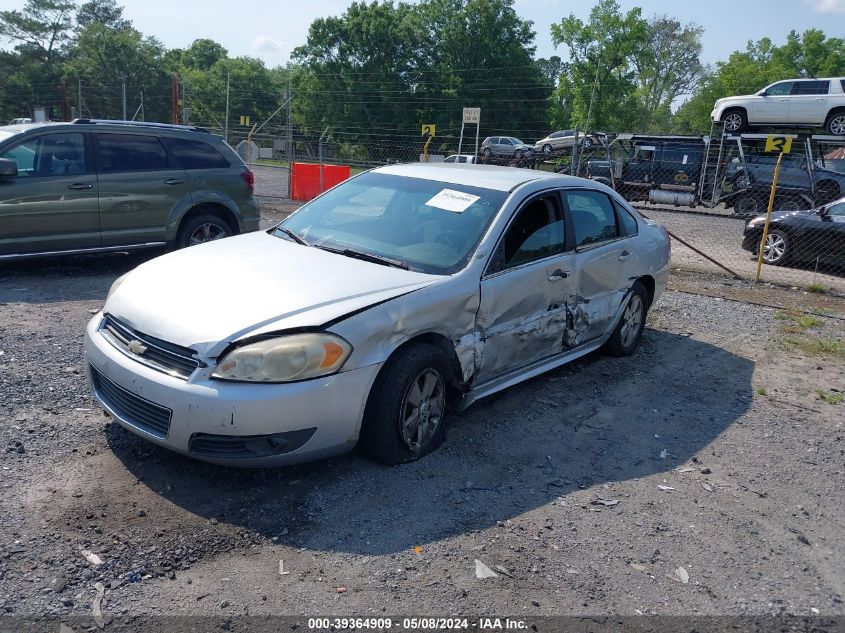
x=782, y=144
x=428, y=130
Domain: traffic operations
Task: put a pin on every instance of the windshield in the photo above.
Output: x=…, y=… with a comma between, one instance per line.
x=516, y=141
x=430, y=226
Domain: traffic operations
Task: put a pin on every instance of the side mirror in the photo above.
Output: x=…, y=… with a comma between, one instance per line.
x=8, y=168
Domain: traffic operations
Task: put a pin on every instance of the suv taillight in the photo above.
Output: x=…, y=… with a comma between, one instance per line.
x=249, y=178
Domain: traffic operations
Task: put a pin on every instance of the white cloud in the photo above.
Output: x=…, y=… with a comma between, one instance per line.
x=827, y=6
x=266, y=44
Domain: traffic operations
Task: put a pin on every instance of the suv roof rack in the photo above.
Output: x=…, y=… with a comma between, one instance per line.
x=170, y=126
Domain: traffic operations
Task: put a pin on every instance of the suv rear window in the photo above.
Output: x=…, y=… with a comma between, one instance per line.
x=196, y=154
x=130, y=152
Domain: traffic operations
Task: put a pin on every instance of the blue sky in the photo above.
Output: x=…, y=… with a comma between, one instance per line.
x=270, y=29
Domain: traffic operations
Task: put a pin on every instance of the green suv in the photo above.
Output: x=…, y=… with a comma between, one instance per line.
x=92, y=186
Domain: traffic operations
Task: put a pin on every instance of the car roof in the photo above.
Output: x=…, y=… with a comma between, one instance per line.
x=482, y=176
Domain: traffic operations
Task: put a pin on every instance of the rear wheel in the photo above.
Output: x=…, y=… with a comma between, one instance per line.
x=789, y=203
x=748, y=206
x=735, y=121
x=406, y=410
x=836, y=123
x=202, y=228
x=486, y=152
x=629, y=330
x=547, y=149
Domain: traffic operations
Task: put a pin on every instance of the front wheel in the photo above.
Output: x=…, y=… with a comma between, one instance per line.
x=406, y=410
x=547, y=149
x=629, y=330
x=202, y=228
x=735, y=121
x=776, y=249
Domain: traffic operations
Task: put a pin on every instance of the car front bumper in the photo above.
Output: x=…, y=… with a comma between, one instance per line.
x=229, y=415
x=751, y=239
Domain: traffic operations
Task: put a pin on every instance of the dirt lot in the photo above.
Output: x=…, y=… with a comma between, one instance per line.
x=717, y=448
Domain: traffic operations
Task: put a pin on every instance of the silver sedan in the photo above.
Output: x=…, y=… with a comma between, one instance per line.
x=372, y=310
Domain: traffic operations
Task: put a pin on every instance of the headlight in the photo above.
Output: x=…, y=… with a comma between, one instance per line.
x=116, y=285
x=285, y=359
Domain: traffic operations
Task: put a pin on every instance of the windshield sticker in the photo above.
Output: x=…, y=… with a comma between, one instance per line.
x=451, y=200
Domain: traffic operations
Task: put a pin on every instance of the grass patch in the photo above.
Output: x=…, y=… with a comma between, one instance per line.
x=819, y=346
x=796, y=321
x=831, y=397
x=817, y=288
x=761, y=391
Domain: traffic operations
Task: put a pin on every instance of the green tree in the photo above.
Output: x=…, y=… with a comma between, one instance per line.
x=598, y=85
x=106, y=12
x=668, y=68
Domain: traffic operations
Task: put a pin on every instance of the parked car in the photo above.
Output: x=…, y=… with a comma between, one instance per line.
x=505, y=146
x=795, y=103
x=563, y=139
x=798, y=183
x=91, y=186
x=461, y=158
x=801, y=236
x=20, y=121
x=374, y=306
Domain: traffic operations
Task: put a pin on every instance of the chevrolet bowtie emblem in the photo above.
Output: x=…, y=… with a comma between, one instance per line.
x=136, y=347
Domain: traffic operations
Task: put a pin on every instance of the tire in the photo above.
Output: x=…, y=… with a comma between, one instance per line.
x=776, y=252
x=547, y=149
x=835, y=123
x=735, y=121
x=486, y=152
x=789, y=203
x=202, y=228
x=518, y=154
x=748, y=206
x=385, y=435
x=588, y=143
x=629, y=330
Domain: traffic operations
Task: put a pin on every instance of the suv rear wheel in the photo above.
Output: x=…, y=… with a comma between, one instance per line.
x=836, y=123
x=202, y=228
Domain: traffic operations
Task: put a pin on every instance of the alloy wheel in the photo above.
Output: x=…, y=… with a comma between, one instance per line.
x=774, y=249
x=733, y=122
x=422, y=409
x=632, y=318
x=207, y=232
x=837, y=125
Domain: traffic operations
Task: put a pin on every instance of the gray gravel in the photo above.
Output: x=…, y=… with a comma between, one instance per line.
x=554, y=484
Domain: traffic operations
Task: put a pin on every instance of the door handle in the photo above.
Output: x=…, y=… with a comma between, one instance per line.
x=558, y=275
x=80, y=185
x=174, y=181
x=623, y=255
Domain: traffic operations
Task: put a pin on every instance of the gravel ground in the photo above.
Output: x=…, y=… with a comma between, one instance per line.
x=703, y=475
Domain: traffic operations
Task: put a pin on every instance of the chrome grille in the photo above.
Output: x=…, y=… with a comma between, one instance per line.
x=131, y=408
x=165, y=357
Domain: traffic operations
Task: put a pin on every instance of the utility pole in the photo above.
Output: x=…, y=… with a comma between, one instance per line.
x=123, y=90
x=185, y=110
x=226, y=120
x=289, y=143
x=79, y=98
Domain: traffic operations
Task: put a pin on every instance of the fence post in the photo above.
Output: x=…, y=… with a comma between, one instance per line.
x=768, y=217
x=320, y=150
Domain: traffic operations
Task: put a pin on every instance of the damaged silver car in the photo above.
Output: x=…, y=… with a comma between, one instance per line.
x=370, y=311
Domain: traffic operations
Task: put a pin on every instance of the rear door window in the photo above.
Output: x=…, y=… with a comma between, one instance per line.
x=130, y=152
x=191, y=154
x=810, y=87
x=593, y=216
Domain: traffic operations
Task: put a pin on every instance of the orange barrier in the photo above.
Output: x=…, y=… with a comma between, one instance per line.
x=305, y=179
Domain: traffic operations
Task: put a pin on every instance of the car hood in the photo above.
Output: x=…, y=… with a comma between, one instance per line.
x=207, y=296
x=782, y=215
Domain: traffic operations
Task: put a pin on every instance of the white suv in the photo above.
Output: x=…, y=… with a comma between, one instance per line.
x=793, y=103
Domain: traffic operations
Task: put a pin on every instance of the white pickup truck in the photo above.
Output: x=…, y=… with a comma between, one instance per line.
x=790, y=103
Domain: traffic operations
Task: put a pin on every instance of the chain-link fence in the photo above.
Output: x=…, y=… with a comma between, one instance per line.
x=711, y=192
